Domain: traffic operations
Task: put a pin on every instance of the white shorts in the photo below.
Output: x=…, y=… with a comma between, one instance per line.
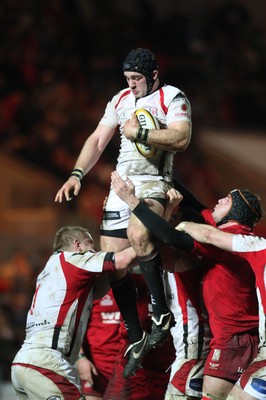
x=117, y=213
x=42, y=374
x=253, y=380
x=186, y=378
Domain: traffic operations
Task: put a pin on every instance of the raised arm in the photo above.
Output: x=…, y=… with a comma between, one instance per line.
x=89, y=155
x=207, y=234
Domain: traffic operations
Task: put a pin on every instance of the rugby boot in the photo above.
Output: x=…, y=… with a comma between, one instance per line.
x=134, y=353
x=160, y=329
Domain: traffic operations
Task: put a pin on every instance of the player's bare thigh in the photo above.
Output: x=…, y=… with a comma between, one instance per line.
x=115, y=244
x=216, y=388
x=238, y=394
x=138, y=234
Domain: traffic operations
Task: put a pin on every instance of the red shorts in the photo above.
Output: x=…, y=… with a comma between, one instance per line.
x=145, y=385
x=229, y=358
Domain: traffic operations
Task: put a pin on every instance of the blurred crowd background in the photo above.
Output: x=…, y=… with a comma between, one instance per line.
x=60, y=64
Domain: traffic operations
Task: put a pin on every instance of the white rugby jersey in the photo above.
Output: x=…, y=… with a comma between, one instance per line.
x=62, y=301
x=253, y=249
x=167, y=104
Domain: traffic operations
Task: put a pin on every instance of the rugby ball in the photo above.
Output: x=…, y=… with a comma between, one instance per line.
x=148, y=121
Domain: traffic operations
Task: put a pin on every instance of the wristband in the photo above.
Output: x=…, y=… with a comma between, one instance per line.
x=77, y=173
x=142, y=135
x=81, y=355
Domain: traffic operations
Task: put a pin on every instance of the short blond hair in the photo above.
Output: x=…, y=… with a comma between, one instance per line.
x=66, y=235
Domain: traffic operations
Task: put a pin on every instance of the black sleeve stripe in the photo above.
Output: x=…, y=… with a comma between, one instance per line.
x=109, y=262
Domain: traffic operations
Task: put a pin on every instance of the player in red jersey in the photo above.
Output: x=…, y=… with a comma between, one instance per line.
x=233, y=319
x=101, y=344
x=252, y=383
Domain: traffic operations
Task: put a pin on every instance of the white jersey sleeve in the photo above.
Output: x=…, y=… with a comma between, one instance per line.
x=246, y=243
x=253, y=249
x=179, y=109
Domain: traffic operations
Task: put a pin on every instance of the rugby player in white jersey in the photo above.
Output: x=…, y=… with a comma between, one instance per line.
x=152, y=177
x=44, y=368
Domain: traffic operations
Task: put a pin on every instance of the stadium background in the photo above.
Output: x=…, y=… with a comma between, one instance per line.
x=61, y=62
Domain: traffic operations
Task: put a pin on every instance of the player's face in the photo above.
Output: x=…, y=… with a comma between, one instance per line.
x=222, y=208
x=137, y=83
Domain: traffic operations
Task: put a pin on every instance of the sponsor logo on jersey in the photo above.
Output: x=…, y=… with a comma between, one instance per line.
x=259, y=385
x=181, y=114
x=33, y=324
x=153, y=111
x=196, y=384
x=216, y=355
x=213, y=366
x=111, y=317
x=107, y=300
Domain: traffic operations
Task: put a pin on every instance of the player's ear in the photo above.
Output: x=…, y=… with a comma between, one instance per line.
x=76, y=244
x=155, y=74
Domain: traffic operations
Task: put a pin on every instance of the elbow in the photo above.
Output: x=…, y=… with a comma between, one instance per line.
x=183, y=142
x=182, y=145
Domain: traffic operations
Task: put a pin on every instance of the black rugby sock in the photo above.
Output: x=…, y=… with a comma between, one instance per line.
x=125, y=294
x=151, y=268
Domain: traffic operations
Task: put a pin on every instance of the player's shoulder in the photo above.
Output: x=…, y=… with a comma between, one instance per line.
x=119, y=97
x=121, y=93
x=172, y=92
x=170, y=89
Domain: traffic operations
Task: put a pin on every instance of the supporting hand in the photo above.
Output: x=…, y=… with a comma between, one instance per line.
x=125, y=189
